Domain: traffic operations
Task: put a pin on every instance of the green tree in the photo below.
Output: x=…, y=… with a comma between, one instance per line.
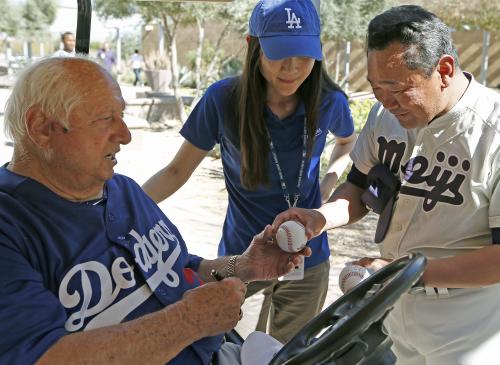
x=348, y=19
x=173, y=15
x=9, y=20
x=233, y=18
x=8, y=26
x=475, y=14
x=37, y=16
x=344, y=21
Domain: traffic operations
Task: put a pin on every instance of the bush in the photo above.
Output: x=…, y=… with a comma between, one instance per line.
x=233, y=68
x=359, y=111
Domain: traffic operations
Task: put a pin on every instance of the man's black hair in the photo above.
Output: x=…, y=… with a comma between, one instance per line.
x=425, y=36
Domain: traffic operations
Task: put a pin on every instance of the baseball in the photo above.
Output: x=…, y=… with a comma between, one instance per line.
x=352, y=275
x=291, y=236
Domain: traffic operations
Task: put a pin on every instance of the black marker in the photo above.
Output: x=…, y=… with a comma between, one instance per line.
x=215, y=274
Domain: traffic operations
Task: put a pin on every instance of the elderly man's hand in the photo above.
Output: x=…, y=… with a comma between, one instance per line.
x=264, y=260
x=313, y=221
x=214, y=308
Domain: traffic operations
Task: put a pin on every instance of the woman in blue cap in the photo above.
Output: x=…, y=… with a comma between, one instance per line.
x=271, y=123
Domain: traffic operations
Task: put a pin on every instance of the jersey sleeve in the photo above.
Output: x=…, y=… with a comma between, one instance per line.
x=193, y=262
x=31, y=317
x=203, y=125
x=341, y=124
x=363, y=155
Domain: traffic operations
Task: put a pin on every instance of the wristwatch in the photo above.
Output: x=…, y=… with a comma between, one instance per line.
x=231, y=266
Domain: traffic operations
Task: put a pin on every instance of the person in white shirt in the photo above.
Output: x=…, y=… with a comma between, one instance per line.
x=136, y=63
x=68, y=41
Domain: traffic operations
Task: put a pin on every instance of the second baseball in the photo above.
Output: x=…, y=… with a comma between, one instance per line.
x=291, y=236
x=352, y=275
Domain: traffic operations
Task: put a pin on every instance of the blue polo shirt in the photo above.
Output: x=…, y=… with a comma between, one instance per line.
x=249, y=211
x=67, y=267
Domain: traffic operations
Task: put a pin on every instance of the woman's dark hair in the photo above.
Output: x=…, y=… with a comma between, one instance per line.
x=247, y=124
x=425, y=36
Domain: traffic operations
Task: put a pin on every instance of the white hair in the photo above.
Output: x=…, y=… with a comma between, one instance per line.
x=47, y=83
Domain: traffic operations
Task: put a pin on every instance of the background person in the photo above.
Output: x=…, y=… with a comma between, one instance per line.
x=136, y=62
x=68, y=41
x=91, y=270
x=271, y=123
x=437, y=131
x=106, y=57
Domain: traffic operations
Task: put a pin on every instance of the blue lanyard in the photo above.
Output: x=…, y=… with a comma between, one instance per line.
x=286, y=195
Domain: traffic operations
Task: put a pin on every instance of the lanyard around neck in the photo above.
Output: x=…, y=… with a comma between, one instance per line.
x=286, y=195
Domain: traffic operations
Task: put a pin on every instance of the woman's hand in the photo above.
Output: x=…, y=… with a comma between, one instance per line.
x=313, y=220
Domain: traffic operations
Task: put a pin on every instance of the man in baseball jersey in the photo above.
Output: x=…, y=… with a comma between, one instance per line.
x=91, y=270
x=436, y=131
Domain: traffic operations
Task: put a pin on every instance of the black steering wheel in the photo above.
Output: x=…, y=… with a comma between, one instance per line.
x=350, y=330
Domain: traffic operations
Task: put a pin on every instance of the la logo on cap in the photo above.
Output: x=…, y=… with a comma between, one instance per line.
x=293, y=21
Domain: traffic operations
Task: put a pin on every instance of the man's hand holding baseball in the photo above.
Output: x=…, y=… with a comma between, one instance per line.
x=264, y=260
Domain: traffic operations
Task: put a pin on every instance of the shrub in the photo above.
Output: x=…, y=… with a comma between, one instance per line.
x=359, y=110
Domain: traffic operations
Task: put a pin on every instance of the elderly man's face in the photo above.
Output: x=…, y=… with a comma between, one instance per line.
x=83, y=157
x=414, y=99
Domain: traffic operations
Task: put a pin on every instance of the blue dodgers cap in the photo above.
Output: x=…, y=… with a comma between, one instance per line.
x=287, y=28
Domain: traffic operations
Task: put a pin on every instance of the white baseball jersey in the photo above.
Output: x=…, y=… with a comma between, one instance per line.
x=450, y=173
x=63, y=53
